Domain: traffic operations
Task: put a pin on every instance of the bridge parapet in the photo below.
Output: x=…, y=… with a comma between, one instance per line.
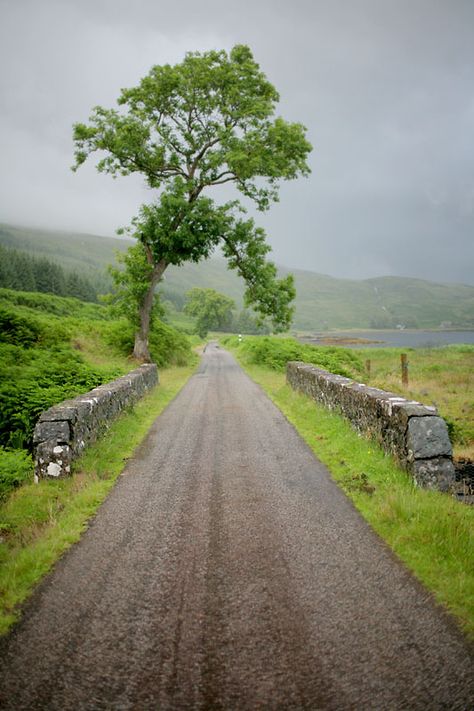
x=65, y=430
x=413, y=433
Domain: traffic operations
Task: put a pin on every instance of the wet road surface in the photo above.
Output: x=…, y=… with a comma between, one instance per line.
x=227, y=571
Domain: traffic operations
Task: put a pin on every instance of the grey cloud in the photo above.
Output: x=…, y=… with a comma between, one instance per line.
x=385, y=88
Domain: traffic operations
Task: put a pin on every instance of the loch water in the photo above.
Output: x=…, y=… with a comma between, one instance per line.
x=400, y=338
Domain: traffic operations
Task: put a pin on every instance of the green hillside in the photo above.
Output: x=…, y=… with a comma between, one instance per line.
x=88, y=255
x=322, y=301
x=383, y=302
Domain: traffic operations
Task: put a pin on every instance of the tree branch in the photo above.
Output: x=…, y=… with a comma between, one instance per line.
x=232, y=177
x=202, y=153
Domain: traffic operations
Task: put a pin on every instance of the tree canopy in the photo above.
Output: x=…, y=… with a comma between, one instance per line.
x=212, y=310
x=187, y=128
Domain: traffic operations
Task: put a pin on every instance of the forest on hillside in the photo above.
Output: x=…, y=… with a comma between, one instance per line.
x=25, y=272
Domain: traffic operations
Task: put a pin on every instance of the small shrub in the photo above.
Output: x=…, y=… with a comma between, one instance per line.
x=34, y=379
x=167, y=345
x=275, y=353
x=455, y=432
x=17, y=330
x=16, y=467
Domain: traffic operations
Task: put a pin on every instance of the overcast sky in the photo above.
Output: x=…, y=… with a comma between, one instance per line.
x=385, y=88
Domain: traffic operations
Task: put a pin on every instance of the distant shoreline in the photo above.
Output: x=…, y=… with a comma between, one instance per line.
x=390, y=338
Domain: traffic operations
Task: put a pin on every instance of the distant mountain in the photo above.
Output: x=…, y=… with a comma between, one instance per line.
x=322, y=301
x=383, y=302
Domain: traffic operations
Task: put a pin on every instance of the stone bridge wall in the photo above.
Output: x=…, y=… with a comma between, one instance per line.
x=413, y=433
x=64, y=431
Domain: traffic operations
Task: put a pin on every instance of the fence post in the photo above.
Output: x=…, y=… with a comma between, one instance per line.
x=404, y=360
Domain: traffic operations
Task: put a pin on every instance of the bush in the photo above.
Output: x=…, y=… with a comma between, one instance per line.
x=167, y=346
x=16, y=467
x=39, y=367
x=18, y=330
x=34, y=379
x=275, y=353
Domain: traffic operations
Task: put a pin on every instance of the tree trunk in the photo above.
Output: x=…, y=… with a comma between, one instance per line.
x=140, y=350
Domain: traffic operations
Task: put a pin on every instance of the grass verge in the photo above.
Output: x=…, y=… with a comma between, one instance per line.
x=430, y=532
x=443, y=377
x=40, y=522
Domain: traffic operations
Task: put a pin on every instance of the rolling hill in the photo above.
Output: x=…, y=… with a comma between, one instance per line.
x=322, y=301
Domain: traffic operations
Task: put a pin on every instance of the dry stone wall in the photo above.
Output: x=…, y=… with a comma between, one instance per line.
x=64, y=431
x=412, y=432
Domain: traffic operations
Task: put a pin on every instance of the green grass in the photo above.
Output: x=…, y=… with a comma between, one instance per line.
x=443, y=377
x=54, y=348
x=275, y=351
x=430, y=532
x=38, y=523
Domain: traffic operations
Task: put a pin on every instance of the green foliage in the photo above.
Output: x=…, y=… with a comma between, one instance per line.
x=16, y=468
x=35, y=378
x=245, y=249
x=167, y=345
x=39, y=367
x=199, y=124
x=201, y=227
x=274, y=353
x=132, y=284
x=246, y=322
x=213, y=311
x=35, y=302
x=18, y=331
x=24, y=272
x=179, y=229
x=202, y=122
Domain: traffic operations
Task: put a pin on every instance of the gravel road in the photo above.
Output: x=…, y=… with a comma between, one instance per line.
x=227, y=571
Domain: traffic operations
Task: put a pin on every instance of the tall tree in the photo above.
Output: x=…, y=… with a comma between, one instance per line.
x=212, y=311
x=187, y=128
x=132, y=285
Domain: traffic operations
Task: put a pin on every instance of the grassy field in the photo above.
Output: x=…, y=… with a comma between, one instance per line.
x=430, y=532
x=443, y=377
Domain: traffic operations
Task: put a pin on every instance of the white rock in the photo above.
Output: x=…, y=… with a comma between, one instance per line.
x=53, y=469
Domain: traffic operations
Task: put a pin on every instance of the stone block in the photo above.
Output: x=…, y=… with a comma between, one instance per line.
x=56, y=430
x=53, y=460
x=66, y=411
x=427, y=438
x=435, y=473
